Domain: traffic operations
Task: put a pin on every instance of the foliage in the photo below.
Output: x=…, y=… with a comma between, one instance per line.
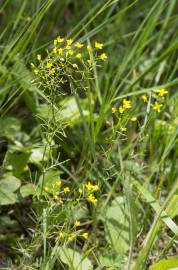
x=89, y=135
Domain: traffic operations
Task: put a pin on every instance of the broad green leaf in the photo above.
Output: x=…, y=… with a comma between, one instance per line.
x=170, y=264
x=8, y=186
x=28, y=189
x=74, y=260
x=48, y=180
x=16, y=160
x=10, y=183
x=39, y=154
x=7, y=197
x=107, y=260
x=117, y=226
x=9, y=126
x=68, y=111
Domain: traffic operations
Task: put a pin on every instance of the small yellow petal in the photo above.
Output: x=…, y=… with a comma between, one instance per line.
x=38, y=57
x=55, y=42
x=79, y=55
x=60, y=51
x=69, y=41
x=54, y=50
x=66, y=189
x=103, y=56
x=79, y=45
x=133, y=119
x=60, y=40
x=98, y=45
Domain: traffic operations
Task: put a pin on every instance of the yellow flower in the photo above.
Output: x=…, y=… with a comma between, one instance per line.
x=46, y=189
x=161, y=92
x=49, y=65
x=121, y=109
x=79, y=45
x=66, y=189
x=36, y=71
x=71, y=52
x=79, y=55
x=38, y=57
x=80, y=191
x=77, y=223
x=85, y=235
x=157, y=106
x=98, y=45
x=68, y=47
x=95, y=187
x=133, y=119
x=126, y=104
x=60, y=200
x=70, y=238
x=61, y=235
x=55, y=50
x=75, y=65
x=92, y=199
x=55, y=42
x=57, y=183
x=114, y=110
x=144, y=98
x=55, y=197
x=60, y=51
x=60, y=40
x=123, y=129
x=103, y=56
x=69, y=41
x=89, y=62
x=89, y=186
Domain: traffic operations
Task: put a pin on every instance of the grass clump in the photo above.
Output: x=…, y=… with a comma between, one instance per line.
x=89, y=135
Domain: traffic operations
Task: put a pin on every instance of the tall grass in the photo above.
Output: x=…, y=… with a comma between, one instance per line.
x=81, y=140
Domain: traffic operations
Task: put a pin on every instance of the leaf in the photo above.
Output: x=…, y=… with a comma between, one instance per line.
x=17, y=159
x=74, y=260
x=10, y=183
x=49, y=178
x=108, y=260
x=8, y=186
x=39, y=154
x=69, y=111
x=117, y=226
x=8, y=225
x=28, y=189
x=171, y=263
x=9, y=126
x=155, y=205
x=172, y=208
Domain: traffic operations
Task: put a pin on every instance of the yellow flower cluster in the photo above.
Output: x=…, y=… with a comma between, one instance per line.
x=126, y=104
x=72, y=233
x=67, y=53
x=161, y=93
x=91, y=188
x=56, y=192
x=87, y=192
